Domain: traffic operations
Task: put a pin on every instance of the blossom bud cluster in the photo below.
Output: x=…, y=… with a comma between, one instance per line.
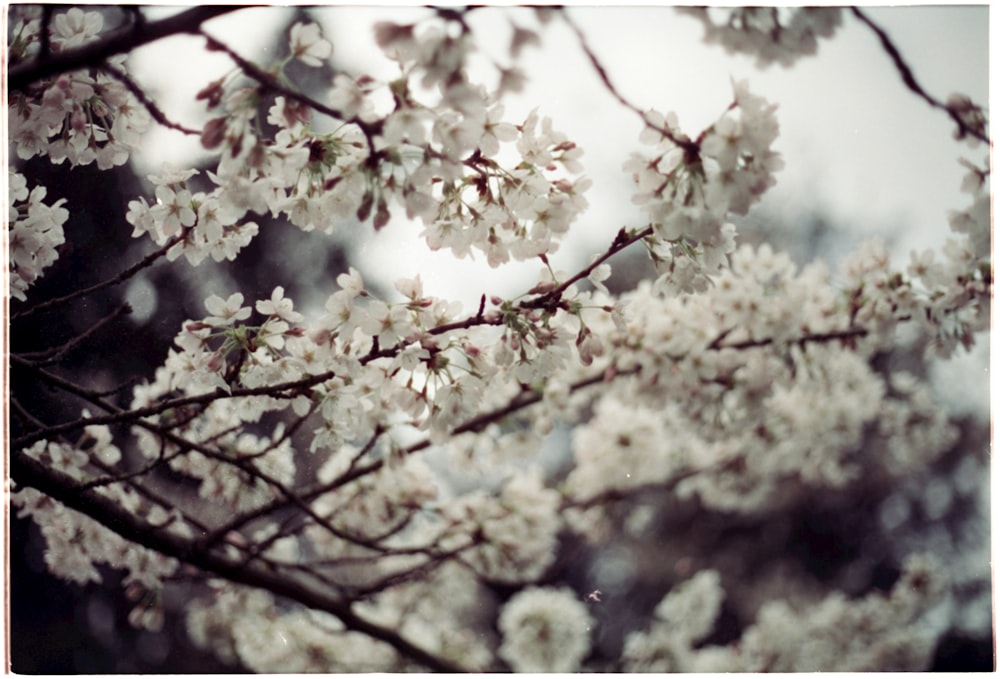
x=770, y=34
x=81, y=117
x=35, y=230
x=876, y=633
x=690, y=187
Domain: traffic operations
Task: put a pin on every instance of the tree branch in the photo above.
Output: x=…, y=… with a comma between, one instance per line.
x=621, y=241
x=911, y=82
x=118, y=42
x=269, y=82
x=29, y=472
x=55, y=354
x=691, y=148
x=121, y=277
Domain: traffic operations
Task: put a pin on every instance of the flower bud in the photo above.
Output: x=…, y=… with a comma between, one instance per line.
x=213, y=133
x=212, y=93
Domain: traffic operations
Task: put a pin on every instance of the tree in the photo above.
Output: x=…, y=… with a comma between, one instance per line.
x=386, y=481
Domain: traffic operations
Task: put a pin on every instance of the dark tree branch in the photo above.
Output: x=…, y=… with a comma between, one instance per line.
x=269, y=82
x=29, y=472
x=43, y=35
x=121, y=277
x=848, y=334
x=119, y=42
x=691, y=148
x=55, y=354
x=911, y=82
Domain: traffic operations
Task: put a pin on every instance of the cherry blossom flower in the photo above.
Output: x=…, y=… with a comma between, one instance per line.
x=280, y=306
x=228, y=311
x=75, y=27
x=307, y=44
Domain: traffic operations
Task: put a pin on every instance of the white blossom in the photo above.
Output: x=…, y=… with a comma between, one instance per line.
x=545, y=630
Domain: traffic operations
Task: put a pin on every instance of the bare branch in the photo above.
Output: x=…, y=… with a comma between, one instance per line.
x=54, y=354
x=911, y=82
x=140, y=94
x=119, y=278
x=689, y=146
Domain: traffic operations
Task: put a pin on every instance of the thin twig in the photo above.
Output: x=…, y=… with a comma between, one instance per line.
x=690, y=147
x=140, y=94
x=911, y=82
x=54, y=354
x=621, y=241
x=23, y=413
x=808, y=338
x=121, y=277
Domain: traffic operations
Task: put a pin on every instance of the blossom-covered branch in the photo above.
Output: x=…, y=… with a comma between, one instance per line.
x=133, y=528
x=31, y=70
x=387, y=481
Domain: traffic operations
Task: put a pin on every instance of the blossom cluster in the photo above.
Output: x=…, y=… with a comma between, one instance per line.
x=879, y=632
x=689, y=187
x=780, y=35
x=769, y=349
x=545, y=630
x=245, y=624
x=950, y=299
x=80, y=117
x=435, y=157
x=35, y=230
x=198, y=225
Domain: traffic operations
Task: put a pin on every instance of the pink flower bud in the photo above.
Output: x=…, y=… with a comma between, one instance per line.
x=214, y=132
x=212, y=93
